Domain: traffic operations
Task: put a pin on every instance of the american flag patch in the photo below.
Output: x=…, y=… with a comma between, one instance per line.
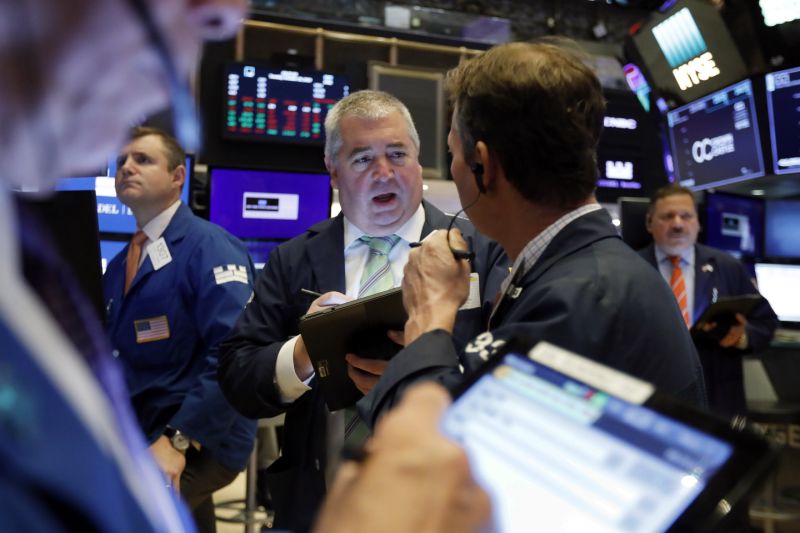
x=151, y=329
x=229, y=273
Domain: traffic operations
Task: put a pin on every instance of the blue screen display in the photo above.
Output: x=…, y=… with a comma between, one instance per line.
x=781, y=237
x=108, y=250
x=735, y=224
x=262, y=204
x=715, y=139
x=783, y=103
x=112, y=215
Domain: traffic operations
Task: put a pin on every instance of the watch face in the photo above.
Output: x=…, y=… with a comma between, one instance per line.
x=180, y=442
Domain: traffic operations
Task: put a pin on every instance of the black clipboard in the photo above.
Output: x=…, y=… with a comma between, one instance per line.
x=723, y=312
x=358, y=327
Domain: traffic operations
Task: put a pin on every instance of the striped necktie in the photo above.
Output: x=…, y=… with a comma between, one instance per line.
x=377, y=276
x=678, y=285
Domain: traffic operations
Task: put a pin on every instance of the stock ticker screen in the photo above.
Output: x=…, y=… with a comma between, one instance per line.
x=279, y=104
x=783, y=103
x=715, y=139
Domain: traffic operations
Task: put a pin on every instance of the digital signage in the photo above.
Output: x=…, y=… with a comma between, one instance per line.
x=715, y=139
x=279, y=104
x=687, y=51
x=783, y=105
x=268, y=204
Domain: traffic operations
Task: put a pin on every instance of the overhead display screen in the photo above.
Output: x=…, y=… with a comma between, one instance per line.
x=279, y=104
x=783, y=103
x=688, y=52
x=715, y=139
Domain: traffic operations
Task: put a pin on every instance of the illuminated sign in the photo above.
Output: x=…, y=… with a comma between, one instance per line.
x=619, y=170
x=619, y=123
x=685, y=49
x=779, y=11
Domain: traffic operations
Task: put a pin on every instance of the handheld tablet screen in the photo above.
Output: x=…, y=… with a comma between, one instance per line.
x=557, y=454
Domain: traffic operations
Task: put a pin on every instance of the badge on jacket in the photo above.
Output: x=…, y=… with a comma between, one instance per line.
x=159, y=254
x=151, y=329
x=230, y=273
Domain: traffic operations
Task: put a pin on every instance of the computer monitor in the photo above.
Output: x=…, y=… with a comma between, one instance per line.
x=734, y=224
x=783, y=105
x=781, y=237
x=780, y=285
x=112, y=215
x=273, y=103
x=633, y=221
x=108, y=250
x=69, y=217
x=715, y=139
x=268, y=204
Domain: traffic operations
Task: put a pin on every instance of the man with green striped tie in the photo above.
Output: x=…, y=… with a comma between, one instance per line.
x=371, y=152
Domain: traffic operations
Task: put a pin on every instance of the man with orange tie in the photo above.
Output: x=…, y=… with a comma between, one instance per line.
x=172, y=295
x=700, y=275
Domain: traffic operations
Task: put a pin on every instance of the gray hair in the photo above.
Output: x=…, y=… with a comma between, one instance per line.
x=365, y=104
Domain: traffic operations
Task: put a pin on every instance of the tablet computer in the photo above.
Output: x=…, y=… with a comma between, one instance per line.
x=563, y=443
x=723, y=312
x=359, y=327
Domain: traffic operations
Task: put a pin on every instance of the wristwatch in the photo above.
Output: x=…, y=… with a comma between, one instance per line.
x=178, y=440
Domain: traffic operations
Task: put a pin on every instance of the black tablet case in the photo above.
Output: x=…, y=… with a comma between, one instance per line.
x=358, y=327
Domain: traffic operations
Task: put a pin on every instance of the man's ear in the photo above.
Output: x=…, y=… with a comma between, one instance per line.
x=648, y=223
x=484, y=157
x=179, y=175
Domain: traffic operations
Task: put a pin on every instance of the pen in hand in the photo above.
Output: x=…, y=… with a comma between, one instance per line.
x=311, y=293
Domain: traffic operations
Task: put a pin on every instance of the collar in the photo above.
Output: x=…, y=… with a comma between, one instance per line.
x=156, y=227
x=687, y=256
x=536, y=246
x=409, y=232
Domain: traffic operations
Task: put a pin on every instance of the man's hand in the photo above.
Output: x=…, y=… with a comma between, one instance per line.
x=435, y=284
x=364, y=372
x=302, y=362
x=171, y=461
x=413, y=479
x=735, y=333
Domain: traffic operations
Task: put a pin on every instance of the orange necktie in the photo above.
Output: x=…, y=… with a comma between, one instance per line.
x=134, y=254
x=678, y=285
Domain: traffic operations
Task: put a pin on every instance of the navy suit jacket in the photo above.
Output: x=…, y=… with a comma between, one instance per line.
x=588, y=293
x=313, y=260
x=719, y=274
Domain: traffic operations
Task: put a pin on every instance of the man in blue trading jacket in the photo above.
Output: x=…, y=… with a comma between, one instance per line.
x=526, y=121
x=371, y=153
x=705, y=275
x=172, y=294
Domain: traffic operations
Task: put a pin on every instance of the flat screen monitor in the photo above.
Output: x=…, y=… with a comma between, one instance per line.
x=780, y=285
x=687, y=51
x=633, y=221
x=715, y=139
x=783, y=104
x=266, y=104
x=108, y=250
x=781, y=236
x=268, y=204
x=69, y=218
x=112, y=215
x=259, y=250
x=734, y=224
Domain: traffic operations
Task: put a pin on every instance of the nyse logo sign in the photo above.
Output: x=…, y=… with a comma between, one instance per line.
x=619, y=170
x=707, y=149
x=697, y=70
x=685, y=49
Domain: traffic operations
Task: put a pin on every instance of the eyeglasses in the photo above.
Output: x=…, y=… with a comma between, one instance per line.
x=185, y=121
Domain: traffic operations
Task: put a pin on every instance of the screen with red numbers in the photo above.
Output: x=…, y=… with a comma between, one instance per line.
x=274, y=104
